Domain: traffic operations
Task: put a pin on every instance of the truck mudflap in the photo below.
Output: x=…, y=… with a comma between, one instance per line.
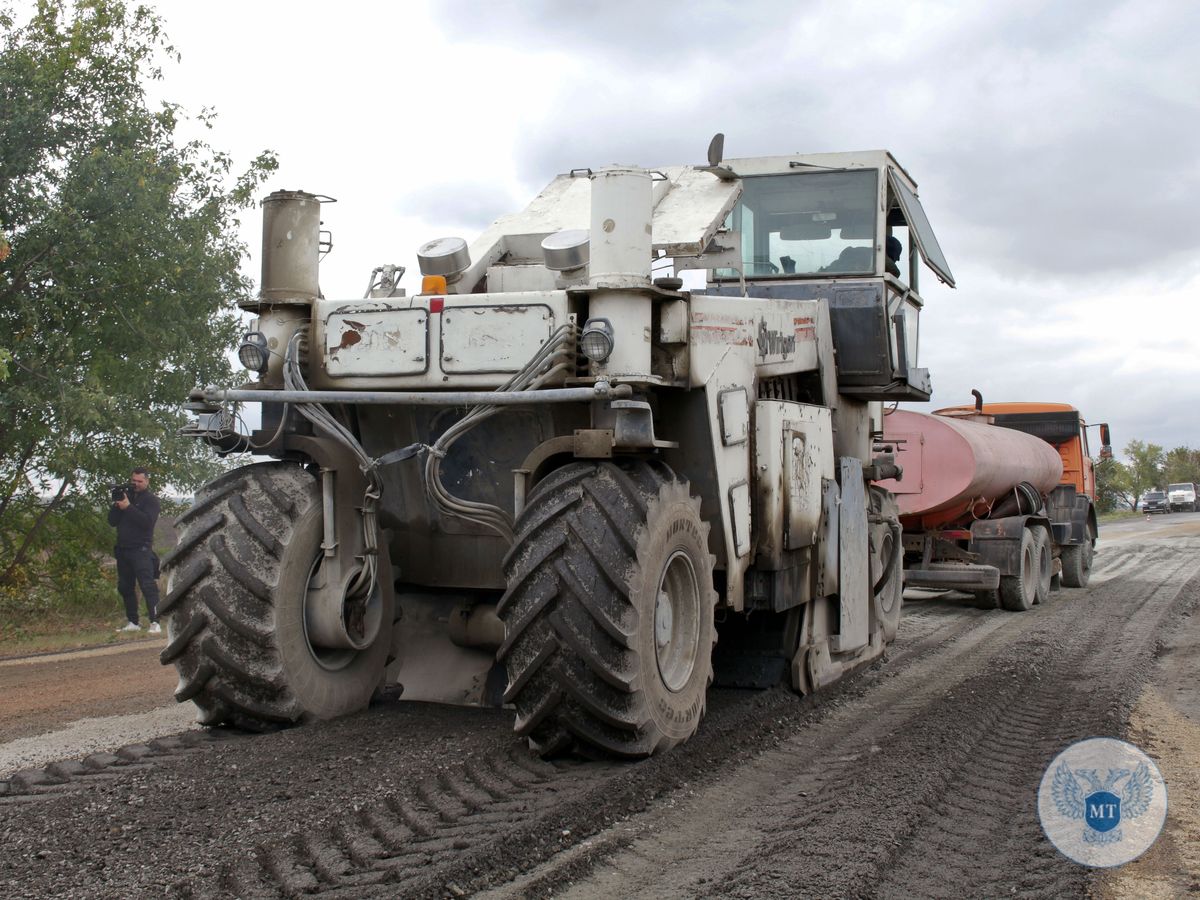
x=954, y=577
x=997, y=542
x=1070, y=514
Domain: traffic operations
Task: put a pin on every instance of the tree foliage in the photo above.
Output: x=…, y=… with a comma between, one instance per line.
x=1148, y=468
x=1145, y=467
x=1182, y=464
x=1112, y=486
x=119, y=276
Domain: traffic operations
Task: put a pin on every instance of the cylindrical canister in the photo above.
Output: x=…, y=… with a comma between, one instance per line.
x=954, y=470
x=621, y=242
x=290, y=247
x=621, y=247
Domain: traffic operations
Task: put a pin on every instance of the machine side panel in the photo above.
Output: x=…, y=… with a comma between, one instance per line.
x=780, y=336
x=793, y=455
x=854, y=583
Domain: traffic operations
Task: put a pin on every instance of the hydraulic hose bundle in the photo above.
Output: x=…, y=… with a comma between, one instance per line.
x=555, y=356
x=364, y=581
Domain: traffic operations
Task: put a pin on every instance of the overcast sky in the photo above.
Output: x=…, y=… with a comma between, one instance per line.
x=1056, y=147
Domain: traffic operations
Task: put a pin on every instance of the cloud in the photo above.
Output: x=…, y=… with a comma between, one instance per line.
x=1124, y=355
x=626, y=31
x=470, y=206
x=1061, y=139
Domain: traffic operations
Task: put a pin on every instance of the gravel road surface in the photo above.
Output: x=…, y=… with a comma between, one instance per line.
x=917, y=777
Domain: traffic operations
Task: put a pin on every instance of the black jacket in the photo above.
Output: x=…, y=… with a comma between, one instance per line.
x=135, y=524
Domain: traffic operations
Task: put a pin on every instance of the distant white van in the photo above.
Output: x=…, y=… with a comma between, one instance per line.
x=1183, y=496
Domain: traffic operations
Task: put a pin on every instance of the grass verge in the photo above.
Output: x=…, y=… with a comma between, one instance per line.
x=49, y=636
x=1118, y=515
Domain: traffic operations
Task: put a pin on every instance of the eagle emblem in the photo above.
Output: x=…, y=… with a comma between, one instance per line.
x=1099, y=805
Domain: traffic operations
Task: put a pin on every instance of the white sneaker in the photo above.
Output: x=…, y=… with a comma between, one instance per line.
x=155, y=628
x=131, y=626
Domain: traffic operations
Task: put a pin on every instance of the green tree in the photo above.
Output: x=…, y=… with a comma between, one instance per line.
x=119, y=280
x=1183, y=464
x=1145, y=468
x=1113, y=486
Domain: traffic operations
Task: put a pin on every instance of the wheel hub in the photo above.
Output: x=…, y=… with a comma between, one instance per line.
x=338, y=622
x=677, y=621
x=663, y=620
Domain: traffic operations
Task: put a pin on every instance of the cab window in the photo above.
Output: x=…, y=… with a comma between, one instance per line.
x=807, y=223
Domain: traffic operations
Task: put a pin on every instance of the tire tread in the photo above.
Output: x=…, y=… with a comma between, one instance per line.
x=569, y=644
x=219, y=603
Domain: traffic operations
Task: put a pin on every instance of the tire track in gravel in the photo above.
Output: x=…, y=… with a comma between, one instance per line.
x=421, y=859
x=989, y=739
x=408, y=840
x=994, y=804
x=406, y=852
x=938, y=795
x=480, y=812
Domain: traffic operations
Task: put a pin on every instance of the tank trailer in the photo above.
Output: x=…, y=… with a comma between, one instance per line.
x=997, y=499
x=551, y=476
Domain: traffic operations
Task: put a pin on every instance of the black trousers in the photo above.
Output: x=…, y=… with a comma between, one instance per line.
x=136, y=565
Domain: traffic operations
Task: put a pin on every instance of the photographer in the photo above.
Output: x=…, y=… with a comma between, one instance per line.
x=134, y=512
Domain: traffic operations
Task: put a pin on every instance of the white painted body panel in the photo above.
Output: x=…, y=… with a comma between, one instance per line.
x=732, y=343
x=793, y=454
x=781, y=336
x=689, y=207
x=476, y=341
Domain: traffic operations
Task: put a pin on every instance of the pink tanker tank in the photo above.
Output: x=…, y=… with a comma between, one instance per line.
x=955, y=469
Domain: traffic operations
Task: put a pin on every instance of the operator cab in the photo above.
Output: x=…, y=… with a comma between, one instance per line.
x=832, y=226
x=819, y=217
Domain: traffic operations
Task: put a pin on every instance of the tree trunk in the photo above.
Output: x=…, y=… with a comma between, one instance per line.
x=19, y=558
x=18, y=475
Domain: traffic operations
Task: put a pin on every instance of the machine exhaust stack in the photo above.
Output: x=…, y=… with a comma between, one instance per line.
x=290, y=248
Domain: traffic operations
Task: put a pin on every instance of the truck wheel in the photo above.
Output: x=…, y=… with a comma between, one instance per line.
x=1044, y=564
x=1077, y=563
x=609, y=611
x=1019, y=592
x=236, y=588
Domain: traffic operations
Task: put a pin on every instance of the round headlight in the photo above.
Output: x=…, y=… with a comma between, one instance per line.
x=596, y=342
x=253, y=352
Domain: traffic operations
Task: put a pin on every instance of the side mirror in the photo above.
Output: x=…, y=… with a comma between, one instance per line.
x=1105, y=442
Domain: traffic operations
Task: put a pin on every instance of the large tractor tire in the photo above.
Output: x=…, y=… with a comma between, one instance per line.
x=1043, y=564
x=1018, y=592
x=236, y=589
x=1077, y=562
x=608, y=614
